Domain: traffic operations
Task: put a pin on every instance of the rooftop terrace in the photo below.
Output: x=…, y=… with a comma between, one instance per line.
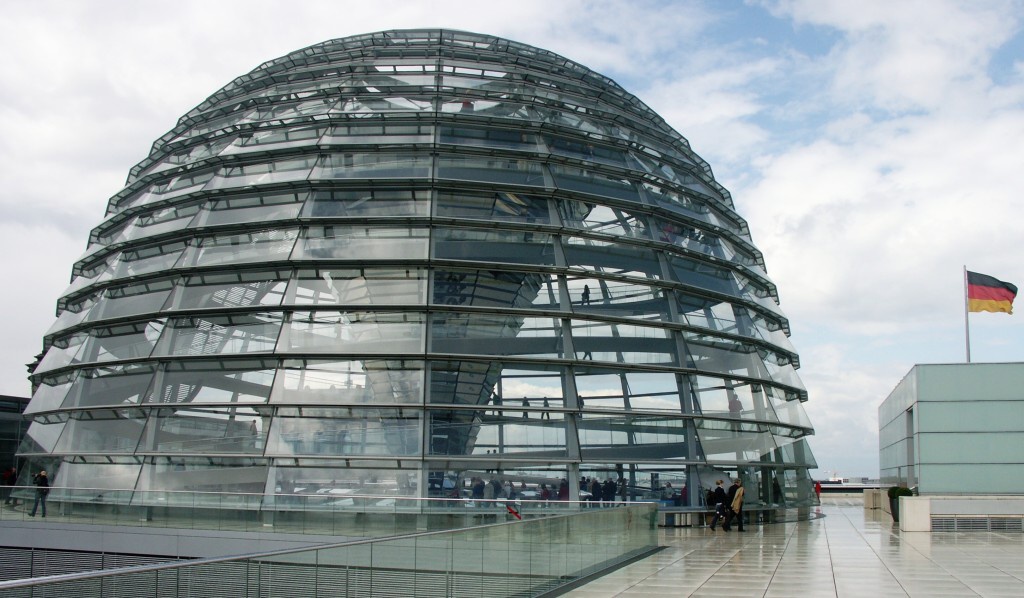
x=847, y=551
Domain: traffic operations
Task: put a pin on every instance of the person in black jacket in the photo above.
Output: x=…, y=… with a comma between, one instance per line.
x=718, y=497
x=42, y=489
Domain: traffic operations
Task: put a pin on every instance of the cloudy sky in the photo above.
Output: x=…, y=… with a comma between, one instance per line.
x=875, y=147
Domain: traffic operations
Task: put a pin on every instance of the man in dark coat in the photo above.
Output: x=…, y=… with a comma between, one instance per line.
x=608, y=490
x=42, y=489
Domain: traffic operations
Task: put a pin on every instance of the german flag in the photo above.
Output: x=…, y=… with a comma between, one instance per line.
x=985, y=293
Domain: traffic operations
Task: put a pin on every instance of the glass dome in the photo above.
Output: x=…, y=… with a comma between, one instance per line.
x=399, y=263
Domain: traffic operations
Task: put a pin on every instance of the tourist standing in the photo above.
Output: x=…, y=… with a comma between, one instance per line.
x=42, y=489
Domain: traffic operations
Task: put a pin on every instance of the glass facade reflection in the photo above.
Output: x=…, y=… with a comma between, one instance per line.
x=395, y=263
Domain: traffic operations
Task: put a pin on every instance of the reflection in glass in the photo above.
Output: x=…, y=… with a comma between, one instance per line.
x=495, y=288
x=159, y=222
x=111, y=385
x=372, y=166
x=633, y=437
x=502, y=205
x=495, y=138
x=356, y=332
x=491, y=170
x=263, y=207
x=103, y=432
x=41, y=437
x=214, y=335
x=723, y=441
x=536, y=434
x=478, y=334
x=601, y=219
x=126, y=341
x=386, y=382
x=145, y=260
x=264, y=173
x=201, y=481
x=50, y=393
x=239, y=248
x=240, y=288
x=246, y=381
x=359, y=286
x=361, y=133
x=359, y=243
x=333, y=431
x=720, y=355
x=109, y=480
x=623, y=390
x=611, y=258
x=335, y=485
x=617, y=298
x=218, y=430
x=133, y=299
x=356, y=204
x=493, y=246
x=574, y=178
x=622, y=343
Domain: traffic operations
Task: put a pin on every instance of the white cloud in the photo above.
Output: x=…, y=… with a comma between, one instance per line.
x=908, y=55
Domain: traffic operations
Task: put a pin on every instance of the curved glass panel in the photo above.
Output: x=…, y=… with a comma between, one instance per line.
x=144, y=297
x=106, y=432
x=316, y=431
x=493, y=246
x=264, y=173
x=217, y=335
x=623, y=390
x=488, y=169
x=359, y=286
x=384, y=381
x=356, y=332
x=200, y=481
x=240, y=288
x=478, y=334
x=633, y=437
x=337, y=241
x=251, y=208
x=111, y=386
x=242, y=248
x=623, y=343
x=219, y=430
x=495, y=288
x=505, y=206
x=372, y=166
x=50, y=393
x=214, y=382
x=538, y=434
x=360, y=204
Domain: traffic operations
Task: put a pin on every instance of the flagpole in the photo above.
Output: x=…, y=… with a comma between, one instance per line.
x=967, y=324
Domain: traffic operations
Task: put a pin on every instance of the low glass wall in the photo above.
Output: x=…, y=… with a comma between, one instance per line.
x=521, y=558
x=327, y=513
